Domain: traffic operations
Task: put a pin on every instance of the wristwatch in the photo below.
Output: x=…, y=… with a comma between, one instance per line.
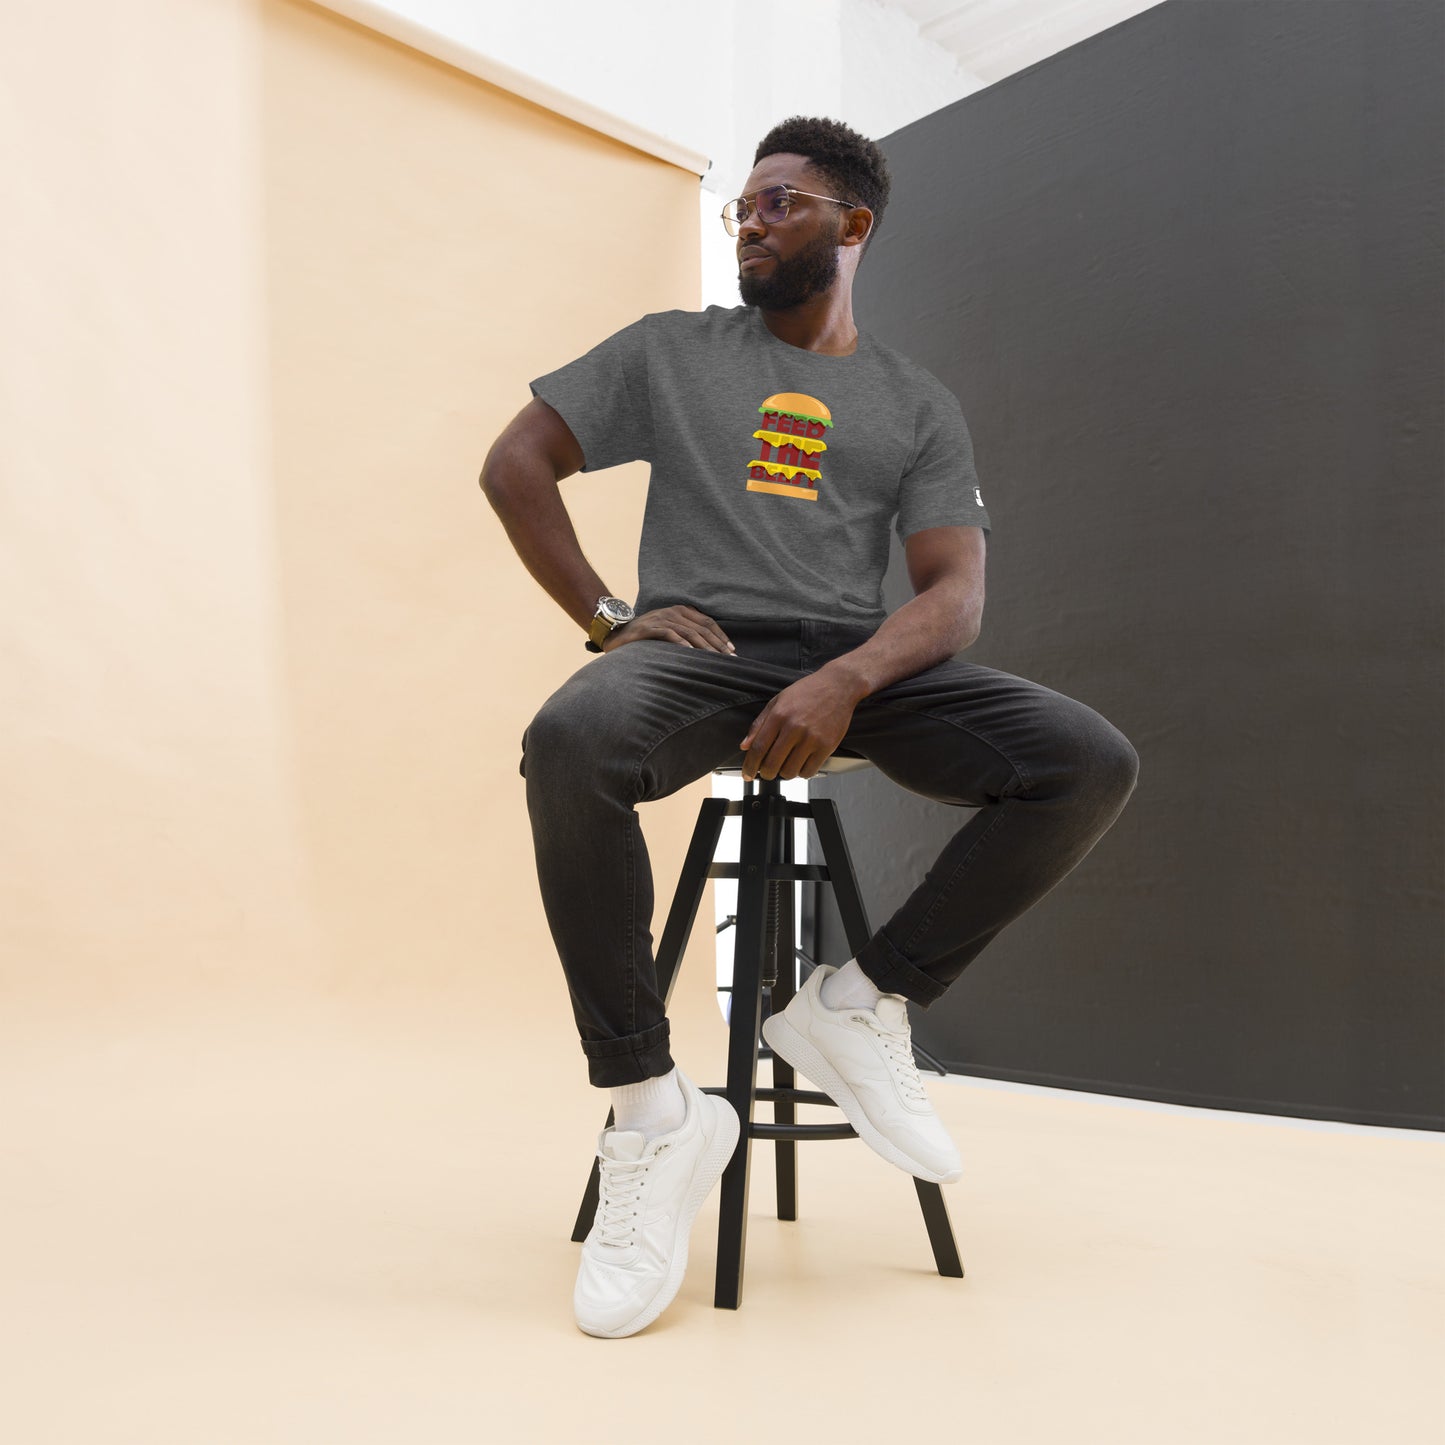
x=611, y=613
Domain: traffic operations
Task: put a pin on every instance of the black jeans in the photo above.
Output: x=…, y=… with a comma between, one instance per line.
x=1048, y=775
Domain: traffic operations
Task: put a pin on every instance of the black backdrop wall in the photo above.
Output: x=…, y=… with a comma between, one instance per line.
x=1186, y=279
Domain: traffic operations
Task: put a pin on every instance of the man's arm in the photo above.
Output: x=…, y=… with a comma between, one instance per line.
x=800, y=727
x=520, y=476
x=945, y=566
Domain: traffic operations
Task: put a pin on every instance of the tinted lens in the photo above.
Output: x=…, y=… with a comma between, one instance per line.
x=773, y=204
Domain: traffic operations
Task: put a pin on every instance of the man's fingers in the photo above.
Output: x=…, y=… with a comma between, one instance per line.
x=768, y=748
x=675, y=624
x=718, y=637
x=775, y=765
x=684, y=625
x=756, y=747
x=756, y=730
x=772, y=758
x=709, y=639
x=810, y=766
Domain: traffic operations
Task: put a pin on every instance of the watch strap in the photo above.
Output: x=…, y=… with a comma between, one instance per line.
x=599, y=632
x=612, y=613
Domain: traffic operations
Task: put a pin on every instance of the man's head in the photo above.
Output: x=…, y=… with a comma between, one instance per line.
x=822, y=235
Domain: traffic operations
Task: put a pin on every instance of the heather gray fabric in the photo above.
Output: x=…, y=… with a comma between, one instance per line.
x=688, y=392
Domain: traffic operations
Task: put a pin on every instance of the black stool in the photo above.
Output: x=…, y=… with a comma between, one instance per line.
x=764, y=960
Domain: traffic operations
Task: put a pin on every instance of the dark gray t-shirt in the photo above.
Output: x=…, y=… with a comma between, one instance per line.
x=776, y=471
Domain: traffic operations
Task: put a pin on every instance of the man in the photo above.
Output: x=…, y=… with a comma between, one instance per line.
x=784, y=444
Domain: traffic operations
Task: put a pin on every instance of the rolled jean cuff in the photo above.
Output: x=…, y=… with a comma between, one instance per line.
x=630, y=1060
x=893, y=973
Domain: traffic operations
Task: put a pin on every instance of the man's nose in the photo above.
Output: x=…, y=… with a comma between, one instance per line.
x=752, y=227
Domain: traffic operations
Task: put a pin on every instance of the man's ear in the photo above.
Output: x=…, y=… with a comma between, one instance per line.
x=857, y=226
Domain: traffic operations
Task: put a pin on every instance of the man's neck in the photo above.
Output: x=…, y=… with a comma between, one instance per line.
x=823, y=324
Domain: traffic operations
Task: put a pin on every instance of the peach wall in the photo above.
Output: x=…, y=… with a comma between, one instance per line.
x=276, y=284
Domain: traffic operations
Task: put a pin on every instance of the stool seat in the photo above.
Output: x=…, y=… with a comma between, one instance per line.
x=765, y=967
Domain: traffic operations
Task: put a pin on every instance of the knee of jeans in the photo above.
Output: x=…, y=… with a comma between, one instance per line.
x=566, y=746
x=549, y=739
x=1112, y=768
x=1097, y=760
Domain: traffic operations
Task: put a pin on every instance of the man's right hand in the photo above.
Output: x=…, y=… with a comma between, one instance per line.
x=672, y=624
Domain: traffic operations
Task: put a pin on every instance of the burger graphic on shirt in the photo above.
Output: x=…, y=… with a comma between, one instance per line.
x=791, y=446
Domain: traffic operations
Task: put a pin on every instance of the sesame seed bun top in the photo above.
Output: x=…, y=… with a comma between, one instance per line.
x=796, y=403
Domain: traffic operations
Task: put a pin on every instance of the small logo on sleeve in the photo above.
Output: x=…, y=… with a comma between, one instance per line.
x=791, y=446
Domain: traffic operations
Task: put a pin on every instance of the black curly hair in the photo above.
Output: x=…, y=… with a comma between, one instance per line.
x=854, y=167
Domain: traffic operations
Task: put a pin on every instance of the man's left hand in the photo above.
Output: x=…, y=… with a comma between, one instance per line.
x=799, y=729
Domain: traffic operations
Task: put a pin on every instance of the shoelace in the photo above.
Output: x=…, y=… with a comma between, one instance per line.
x=899, y=1045
x=620, y=1187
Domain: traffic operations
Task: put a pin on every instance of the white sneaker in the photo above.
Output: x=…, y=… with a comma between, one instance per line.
x=863, y=1060
x=635, y=1255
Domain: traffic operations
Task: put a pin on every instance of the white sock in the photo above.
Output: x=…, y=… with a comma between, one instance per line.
x=655, y=1106
x=850, y=987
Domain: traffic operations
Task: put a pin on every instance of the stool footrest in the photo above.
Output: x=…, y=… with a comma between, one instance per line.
x=777, y=872
x=802, y=1131
x=778, y=1096
x=761, y=1130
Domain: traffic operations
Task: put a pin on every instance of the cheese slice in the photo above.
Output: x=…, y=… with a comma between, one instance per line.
x=787, y=439
x=777, y=469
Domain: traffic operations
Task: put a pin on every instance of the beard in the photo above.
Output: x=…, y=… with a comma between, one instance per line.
x=808, y=274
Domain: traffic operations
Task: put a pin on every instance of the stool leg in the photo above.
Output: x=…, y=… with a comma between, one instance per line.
x=587, y=1211
x=745, y=1019
x=691, y=884
x=839, y=863
x=940, y=1231
x=786, y=968
x=855, y=924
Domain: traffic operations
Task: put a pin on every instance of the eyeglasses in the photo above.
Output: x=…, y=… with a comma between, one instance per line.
x=772, y=204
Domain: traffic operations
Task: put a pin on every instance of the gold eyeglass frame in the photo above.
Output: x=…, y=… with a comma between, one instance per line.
x=732, y=224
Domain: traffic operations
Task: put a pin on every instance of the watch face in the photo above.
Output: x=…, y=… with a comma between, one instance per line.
x=616, y=610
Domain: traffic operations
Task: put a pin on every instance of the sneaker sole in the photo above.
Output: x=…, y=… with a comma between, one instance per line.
x=714, y=1160
x=785, y=1040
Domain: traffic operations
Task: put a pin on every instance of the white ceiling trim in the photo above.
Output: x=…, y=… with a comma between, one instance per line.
x=995, y=38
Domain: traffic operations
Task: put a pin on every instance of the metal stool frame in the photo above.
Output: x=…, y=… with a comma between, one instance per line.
x=764, y=959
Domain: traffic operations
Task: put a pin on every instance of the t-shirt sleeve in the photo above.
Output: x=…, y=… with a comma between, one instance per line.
x=604, y=397
x=940, y=486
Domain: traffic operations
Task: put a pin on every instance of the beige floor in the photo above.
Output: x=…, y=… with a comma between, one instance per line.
x=330, y=1223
